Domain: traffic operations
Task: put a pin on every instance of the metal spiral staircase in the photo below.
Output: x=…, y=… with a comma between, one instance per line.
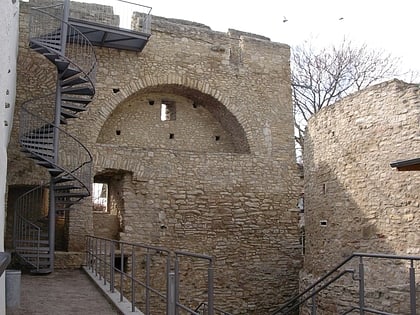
x=42, y=138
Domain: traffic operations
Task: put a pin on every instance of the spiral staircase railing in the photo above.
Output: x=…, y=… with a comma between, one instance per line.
x=66, y=159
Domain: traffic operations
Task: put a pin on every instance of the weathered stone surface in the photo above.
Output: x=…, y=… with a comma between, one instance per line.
x=349, y=184
x=218, y=179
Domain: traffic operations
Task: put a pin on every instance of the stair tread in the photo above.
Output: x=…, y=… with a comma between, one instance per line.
x=69, y=72
x=78, y=90
x=74, y=81
x=35, y=145
x=41, y=271
x=76, y=100
x=33, y=249
x=48, y=140
x=66, y=114
x=73, y=107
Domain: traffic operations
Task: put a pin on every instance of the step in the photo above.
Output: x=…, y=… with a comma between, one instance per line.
x=41, y=256
x=62, y=65
x=37, y=146
x=40, y=157
x=73, y=107
x=51, y=56
x=59, y=194
x=70, y=72
x=30, y=243
x=45, y=129
x=50, y=46
x=32, y=135
x=38, y=49
x=43, y=153
x=78, y=90
x=76, y=100
x=50, y=40
x=74, y=81
x=67, y=115
x=63, y=179
x=54, y=172
x=31, y=251
x=43, y=140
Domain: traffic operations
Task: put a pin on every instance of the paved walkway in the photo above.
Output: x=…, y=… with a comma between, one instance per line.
x=63, y=292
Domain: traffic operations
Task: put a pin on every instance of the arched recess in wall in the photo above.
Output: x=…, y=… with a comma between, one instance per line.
x=173, y=116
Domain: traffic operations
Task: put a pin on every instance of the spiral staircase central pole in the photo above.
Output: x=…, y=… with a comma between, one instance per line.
x=57, y=116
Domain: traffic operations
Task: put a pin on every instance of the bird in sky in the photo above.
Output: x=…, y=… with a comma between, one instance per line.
x=284, y=19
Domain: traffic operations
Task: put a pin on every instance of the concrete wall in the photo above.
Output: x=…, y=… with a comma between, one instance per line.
x=9, y=18
x=354, y=200
x=224, y=184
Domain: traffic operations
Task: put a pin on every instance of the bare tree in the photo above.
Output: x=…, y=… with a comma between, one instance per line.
x=321, y=77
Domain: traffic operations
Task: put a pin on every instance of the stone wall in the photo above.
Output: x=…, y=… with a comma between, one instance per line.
x=225, y=184
x=354, y=200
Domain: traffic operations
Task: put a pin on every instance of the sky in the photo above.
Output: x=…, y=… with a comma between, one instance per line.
x=391, y=26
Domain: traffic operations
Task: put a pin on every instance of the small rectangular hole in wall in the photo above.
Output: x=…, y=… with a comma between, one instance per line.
x=117, y=132
x=217, y=138
x=324, y=188
x=323, y=223
x=171, y=136
x=167, y=111
x=121, y=263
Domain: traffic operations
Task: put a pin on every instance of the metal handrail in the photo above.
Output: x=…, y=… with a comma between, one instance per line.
x=79, y=51
x=210, y=289
x=25, y=230
x=100, y=260
x=74, y=157
x=123, y=14
x=312, y=291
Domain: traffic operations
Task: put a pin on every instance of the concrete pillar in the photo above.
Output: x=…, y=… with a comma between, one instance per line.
x=9, y=26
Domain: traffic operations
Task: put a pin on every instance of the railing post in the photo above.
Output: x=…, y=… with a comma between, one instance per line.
x=313, y=299
x=171, y=300
x=88, y=258
x=176, y=284
x=412, y=288
x=210, y=289
x=98, y=258
x=112, y=268
x=133, y=274
x=361, y=286
x=104, y=262
x=147, y=282
x=122, y=272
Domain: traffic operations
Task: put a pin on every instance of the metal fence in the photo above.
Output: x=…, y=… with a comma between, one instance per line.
x=151, y=277
x=130, y=15
x=358, y=268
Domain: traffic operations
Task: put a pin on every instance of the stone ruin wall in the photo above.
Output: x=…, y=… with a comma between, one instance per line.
x=233, y=198
x=354, y=200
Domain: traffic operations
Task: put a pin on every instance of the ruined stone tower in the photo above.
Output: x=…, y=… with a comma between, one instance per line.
x=194, y=139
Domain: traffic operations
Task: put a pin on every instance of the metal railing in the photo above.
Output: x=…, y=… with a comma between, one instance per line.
x=130, y=15
x=74, y=159
x=291, y=306
x=154, y=272
x=45, y=27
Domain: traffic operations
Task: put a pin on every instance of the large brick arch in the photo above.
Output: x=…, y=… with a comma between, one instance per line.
x=218, y=104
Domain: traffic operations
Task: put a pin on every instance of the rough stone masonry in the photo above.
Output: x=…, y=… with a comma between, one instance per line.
x=194, y=137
